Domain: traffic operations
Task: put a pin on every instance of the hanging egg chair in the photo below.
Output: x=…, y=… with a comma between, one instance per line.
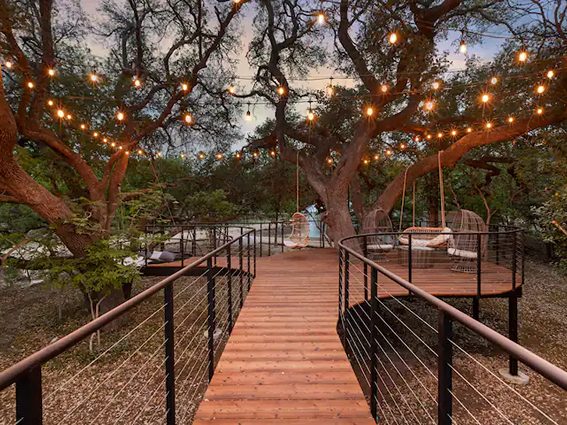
x=464, y=245
x=376, y=222
x=299, y=235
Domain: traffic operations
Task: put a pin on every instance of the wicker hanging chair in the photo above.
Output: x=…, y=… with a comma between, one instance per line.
x=377, y=221
x=463, y=246
x=299, y=235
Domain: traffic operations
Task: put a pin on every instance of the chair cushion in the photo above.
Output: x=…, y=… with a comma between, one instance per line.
x=461, y=253
x=380, y=247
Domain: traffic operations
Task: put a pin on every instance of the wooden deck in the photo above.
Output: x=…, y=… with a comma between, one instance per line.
x=284, y=363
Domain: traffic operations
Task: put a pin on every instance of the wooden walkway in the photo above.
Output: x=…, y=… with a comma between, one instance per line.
x=284, y=363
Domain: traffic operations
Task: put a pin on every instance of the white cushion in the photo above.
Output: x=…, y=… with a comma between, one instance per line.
x=461, y=253
x=380, y=247
x=440, y=239
x=417, y=248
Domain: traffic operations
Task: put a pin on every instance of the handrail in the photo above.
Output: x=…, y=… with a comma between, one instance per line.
x=548, y=370
x=10, y=375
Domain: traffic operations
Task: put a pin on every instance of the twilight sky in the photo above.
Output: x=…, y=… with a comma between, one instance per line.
x=484, y=51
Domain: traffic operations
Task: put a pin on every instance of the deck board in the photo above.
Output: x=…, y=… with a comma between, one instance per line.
x=284, y=362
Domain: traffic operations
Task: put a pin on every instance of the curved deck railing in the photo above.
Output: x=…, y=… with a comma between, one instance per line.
x=218, y=297
x=390, y=338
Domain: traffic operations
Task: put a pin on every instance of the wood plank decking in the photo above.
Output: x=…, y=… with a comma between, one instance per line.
x=284, y=363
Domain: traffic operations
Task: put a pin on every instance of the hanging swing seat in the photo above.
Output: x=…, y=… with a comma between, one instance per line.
x=299, y=236
x=379, y=224
x=429, y=237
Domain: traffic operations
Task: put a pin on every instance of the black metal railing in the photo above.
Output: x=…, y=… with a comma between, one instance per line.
x=421, y=360
x=135, y=377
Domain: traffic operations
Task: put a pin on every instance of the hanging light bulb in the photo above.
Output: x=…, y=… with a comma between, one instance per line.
x=463, y=46
x=182, y=155
x=112, y=144
x=384, y=88
x=60, y=113
x=238, y=155
x=188, y=118
x=428, y=136
x=51, y=72
x=140, y=152
x=469, y=130
x=137, y=82
x=8, y=64
x=185, y=87
x=393, y=38
x=330, y=88
x=248, y=115
x=522, y=56
x=93, y=78
x=50, y=102
x=231, y=89
x=281, y=90
x=218, y=156
x=120, y=116
x=510, y=119
x=494, y=81
x=439, y=135
x=376, y=157
x=321, y=18
x=201, y=155
x=539, y=110
x=273, y=153
x=30, y=85
x=310, y=115
x=389, y=152
x=488, y=125
x=69, y=117
x=255, y=154
x=550, y=74
x=95, y=134
x=403, y=146
x=105, y=140
x=366, y=161
x=485, y=98
x=453, y=133
x=540, y=89
x=417, y=138
x=436, y=85
x=429, y=105
x=329, y=160
x=369, y=111
x=83, y=126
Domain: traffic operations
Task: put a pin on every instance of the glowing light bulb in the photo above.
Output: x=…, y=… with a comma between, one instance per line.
x=50, y=102
x=281, y=90
x=231, y=89
x=403, y=146
x=127, y=152
x=550, y=74
x=366, y=162
x=393, y=38
x=248, y=115
x=376, y=157
x=494, y=81
x=510, y=120
x=141, y=152
x=95, y=134
x=429, y=105
x=330, y=90
x=439, y=135
x=463, y=47
x=120, y=116
x=469, y=130
x=310, y=115
x=201, y=155
x=8, y=64
x=369, y=111
x=30, y=85
x=137, y=83
x=255, y=154
x=540, y=89
x=69, y=117
x=60, y=113
x=539, y=110
x=185, y=87
x=488, y=125
x=522, y=56
x=105, y=140
x=273, y=153
x=51, y=72
x=384, y=88
x=417, y=138
x=93, y=77
x=188, y=118
x=388, y=152
x=218, y=156
x=429, y=137
x=485, y=98
x=453, y=133
x=238, y=155
x=83, y=126
x=436, y=85
x=112, y=144
x=321, y=18
x=330, y=161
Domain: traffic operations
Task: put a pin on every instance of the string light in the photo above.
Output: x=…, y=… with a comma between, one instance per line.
x=389, y=152
x=417, y=138
x=488, y=125
x=281, y=90
x=469, y=130
x=8, y=64
x=329, y=160
x=137, y=83
x=248, y=115
x=428, y=136
x=550, y=74
x=376, y=157
x=51, y=72
x=510, y=119
x=453, y=133
x=439, y=135
x=185, y=87
x=50, y=102
x=436, y=85
x=310, y=115
x=403, y=146
x=120, y=116
x=112, y=144
x=218, y=156
x=463, y=47
x=201, y=155
x=188, y=118
x=321, y=18
x=485, y=98
x=273, y=153
x=93, y=77
x=330, y=88
x=522, y=56
x=255, y=155
x=105, y=140
x=83, y=126
x=369, y=111
x=141, y=152
x=231, y=89
x=238, y=155
x=366, y=161
x=429, y=105
x=539, y=110
x=540, y=89
x=60, y=113
x=494, y=81
x=30, y=85
x=393, y=38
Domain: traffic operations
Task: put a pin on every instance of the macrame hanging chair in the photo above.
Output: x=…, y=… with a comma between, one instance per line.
x=426, y=236
x=377, y=222
x=463, y=246
x=299, y=235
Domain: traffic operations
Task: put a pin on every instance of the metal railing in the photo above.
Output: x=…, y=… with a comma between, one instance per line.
x=411, y=358
x=196, y=319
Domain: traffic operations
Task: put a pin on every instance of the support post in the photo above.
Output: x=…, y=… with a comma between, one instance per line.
x=444, y=371
x=261, y=240
x=169, y=354
x=374, y=343
x=341, y=294
x=365, y=267
x=269, y=239
x=241, y=269
x=249, y=280
x=254, y=267
x=282, y=237
x=211, y=317
x=29, y=406
x=513, y=309
x=182, y=248
x=194, y=242
x=229, y=288
x=346, y=306
x=410, y=258
x=476, y=300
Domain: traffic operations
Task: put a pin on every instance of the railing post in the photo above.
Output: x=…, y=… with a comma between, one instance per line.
x=269, y=239
x=497, y=244
x=182, y=247
x=346, y=294
x=146, y=247
x=211, y=316
x=215, y=243
x=29, y=406
x=261, y=240
x=476, y=300
x=282, y=239
x=241, y=268
x=194, y=243
x=365, y=253
x=169, y=354
x=254, y=267
x=410, y=258
x=229, y=287
x=374, y=343
x=248, y=260
x=444, y=371
x=341, y=293
x=513, y=309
